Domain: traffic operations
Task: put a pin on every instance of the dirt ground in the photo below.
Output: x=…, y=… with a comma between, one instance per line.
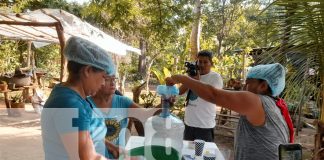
x=20, y=137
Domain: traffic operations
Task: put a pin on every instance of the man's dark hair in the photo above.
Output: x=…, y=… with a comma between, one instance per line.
x=206, y=53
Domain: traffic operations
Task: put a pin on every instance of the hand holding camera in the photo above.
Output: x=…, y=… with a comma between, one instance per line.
x=192, y=69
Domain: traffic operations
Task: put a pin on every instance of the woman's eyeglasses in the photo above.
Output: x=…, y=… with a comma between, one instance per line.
x=111, y=79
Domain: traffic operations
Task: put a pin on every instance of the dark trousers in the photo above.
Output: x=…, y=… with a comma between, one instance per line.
x=192, y=133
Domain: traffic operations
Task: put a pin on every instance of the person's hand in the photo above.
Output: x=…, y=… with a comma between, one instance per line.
x=116, y=151
x=126, y=156
x=174, y=79
x=169, y=81
x=172, y=100
x=158, y=111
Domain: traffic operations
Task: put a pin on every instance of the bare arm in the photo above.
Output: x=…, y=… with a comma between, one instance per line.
x=115, y=150
x=79, y=145
x=243, y=102
x=182, y=89
x=143, y=113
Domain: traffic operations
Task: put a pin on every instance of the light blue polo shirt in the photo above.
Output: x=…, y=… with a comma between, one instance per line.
x=116, y=120
x=65, y=111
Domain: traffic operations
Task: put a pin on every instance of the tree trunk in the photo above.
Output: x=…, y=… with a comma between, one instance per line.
x=122, y=83
x=60, y=35
x=243, y=75
x=147, y=77
x=175, y=64
x=148, y=72
x=35, y=78
x=220, y=36
x=195, y=32
x=117, y=74
x=29, y=53
x=142, y=58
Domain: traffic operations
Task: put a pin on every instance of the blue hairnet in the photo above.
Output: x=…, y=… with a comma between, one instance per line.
x=85, y=52
x=274, y=74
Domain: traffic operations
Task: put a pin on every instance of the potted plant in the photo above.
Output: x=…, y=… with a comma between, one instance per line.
x=17, y=101
x=3, y=86
x=17, y=104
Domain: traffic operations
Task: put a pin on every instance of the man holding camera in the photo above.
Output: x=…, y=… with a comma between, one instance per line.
x=199, y=114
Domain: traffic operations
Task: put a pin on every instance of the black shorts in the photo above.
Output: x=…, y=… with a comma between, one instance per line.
x=192, y=133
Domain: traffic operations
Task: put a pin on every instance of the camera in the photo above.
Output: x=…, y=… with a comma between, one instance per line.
x=192, y=68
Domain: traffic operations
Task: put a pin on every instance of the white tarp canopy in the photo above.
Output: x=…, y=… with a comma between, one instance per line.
x=41, y=26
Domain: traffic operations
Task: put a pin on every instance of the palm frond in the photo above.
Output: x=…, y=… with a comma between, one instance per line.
x=302, y=47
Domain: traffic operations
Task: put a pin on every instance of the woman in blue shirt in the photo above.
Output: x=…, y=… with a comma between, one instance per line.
x=116, y=109
x=71, y=129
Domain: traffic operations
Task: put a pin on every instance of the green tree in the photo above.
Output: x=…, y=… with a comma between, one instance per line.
x=9, y=56
x=301, y=50
x=24, y=5
x=195, y=31
x=150, y=26
x=48, y=58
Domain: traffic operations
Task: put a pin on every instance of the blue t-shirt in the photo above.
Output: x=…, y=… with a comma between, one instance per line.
x=65, y=111
x=116, y=120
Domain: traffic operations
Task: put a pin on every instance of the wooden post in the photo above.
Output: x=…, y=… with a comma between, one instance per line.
x=60, y=34
x=28, y=53
x=243, y=66
x=35, y=81
x=59, y=30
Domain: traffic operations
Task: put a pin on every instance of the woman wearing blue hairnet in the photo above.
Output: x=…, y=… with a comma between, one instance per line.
x=262, y=126
x=71, y=129
x=116, y=109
